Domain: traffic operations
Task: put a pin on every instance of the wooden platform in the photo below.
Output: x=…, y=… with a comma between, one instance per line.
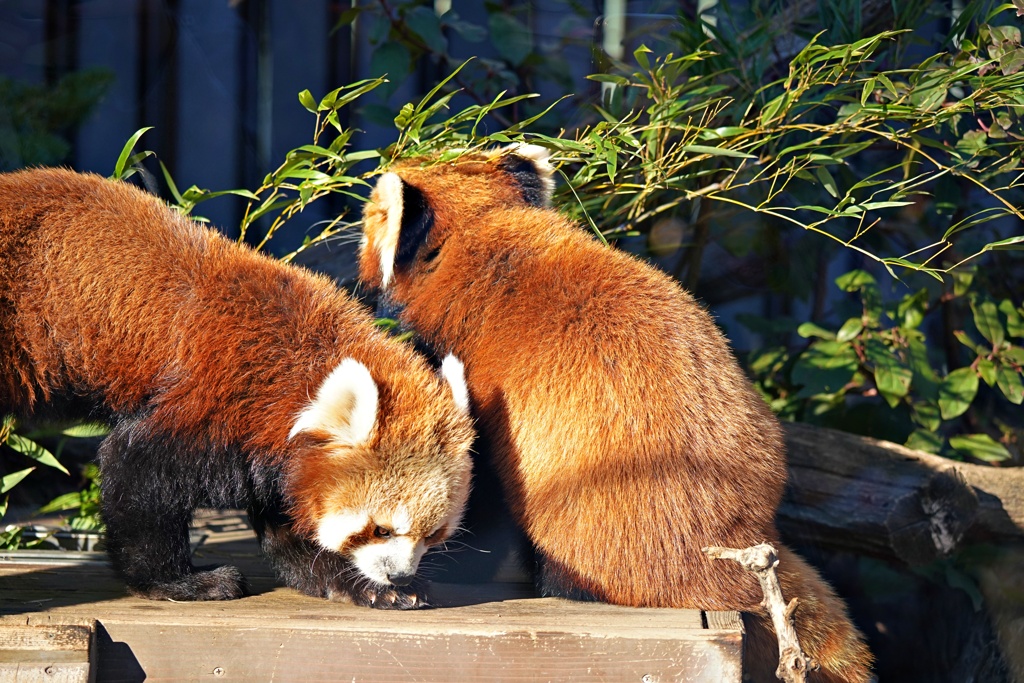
x=479, y=632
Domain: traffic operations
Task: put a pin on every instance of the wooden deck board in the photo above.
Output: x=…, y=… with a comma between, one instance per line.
x=479, y=632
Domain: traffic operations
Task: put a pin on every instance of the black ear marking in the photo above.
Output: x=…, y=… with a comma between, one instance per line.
x=417, y=220
x=524, y=173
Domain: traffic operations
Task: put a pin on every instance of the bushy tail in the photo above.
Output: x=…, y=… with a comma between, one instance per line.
x=822, y=624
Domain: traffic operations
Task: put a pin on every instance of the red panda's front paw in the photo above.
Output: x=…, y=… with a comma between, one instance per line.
x=385, y=597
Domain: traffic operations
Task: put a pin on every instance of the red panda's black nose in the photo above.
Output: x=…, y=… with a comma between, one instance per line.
x=400, y=579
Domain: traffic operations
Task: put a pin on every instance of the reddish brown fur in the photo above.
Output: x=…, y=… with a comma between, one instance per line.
x=109, y=298
x=625, y=433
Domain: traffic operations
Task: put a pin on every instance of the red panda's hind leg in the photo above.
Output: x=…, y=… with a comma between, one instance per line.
x=554, y=580
x=218, y=583
x=149, y=496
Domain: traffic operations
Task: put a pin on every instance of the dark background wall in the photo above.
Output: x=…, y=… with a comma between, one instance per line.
x=218, y=79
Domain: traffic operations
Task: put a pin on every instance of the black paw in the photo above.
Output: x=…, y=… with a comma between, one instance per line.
x=384, y=597
x=222, y=583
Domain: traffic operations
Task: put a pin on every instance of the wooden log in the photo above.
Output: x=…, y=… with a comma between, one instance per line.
x=875, y=497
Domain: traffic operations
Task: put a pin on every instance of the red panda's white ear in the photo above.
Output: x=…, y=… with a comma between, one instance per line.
x=345, y=405
x=455, y=375
x=381, y=233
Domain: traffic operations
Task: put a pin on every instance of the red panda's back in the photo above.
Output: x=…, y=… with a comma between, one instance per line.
x=616, y=404
x=98, y=268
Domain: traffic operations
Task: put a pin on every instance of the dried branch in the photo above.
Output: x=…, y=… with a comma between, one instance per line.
x=762, y=560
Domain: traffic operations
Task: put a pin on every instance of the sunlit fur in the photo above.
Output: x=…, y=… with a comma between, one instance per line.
x=229, y=379
x=626, y=435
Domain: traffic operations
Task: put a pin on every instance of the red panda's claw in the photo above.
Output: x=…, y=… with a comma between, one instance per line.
x=391, y=598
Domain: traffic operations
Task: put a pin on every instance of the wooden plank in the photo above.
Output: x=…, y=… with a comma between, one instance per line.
x=294, y=637
x=480, y=632
x=724, y=621
x=32, y=652
x=511, y=653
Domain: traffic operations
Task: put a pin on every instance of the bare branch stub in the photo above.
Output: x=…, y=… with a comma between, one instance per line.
x=762, y=560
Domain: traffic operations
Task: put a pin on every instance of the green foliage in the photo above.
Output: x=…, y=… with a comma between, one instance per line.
x=839, y=147
x=85, y=502
x=35, y=119
x=328, y=165
x=877, y=373
x=405, y=33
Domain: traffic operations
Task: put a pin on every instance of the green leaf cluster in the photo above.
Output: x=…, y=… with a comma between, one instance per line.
x=840, y=147
x=876, y=372
x=85, y=503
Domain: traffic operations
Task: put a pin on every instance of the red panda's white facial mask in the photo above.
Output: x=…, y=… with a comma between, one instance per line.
x=383, y=513
x=383, y=546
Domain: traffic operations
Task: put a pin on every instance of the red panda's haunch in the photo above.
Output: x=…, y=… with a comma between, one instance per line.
x=626, y=435
x=228, y=379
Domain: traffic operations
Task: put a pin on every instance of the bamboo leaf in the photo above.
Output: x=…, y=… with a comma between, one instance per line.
x=171, y=185
x=716, y=151
x=827, y=181
x=1007, y=244
x=11, y=480
x=126, y=152
x=307, y=101
x=68, y=501
x=86, y=430
x=640, y=55
x=31, y=449
x=609, y=78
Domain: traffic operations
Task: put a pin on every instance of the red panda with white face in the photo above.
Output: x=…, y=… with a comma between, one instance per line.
x=626, y=435
x=228, y=379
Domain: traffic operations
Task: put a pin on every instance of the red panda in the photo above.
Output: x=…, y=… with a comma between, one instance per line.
x=625, y=434
x=228, y=379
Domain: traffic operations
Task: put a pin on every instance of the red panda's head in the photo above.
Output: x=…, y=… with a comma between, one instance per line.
x=415, y=207
x=383, y=471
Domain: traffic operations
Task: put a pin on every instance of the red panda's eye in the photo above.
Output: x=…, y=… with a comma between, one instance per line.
x=382, y=532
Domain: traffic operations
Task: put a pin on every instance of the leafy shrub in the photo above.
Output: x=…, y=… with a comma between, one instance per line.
x=877, y=374
x=85, y=503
